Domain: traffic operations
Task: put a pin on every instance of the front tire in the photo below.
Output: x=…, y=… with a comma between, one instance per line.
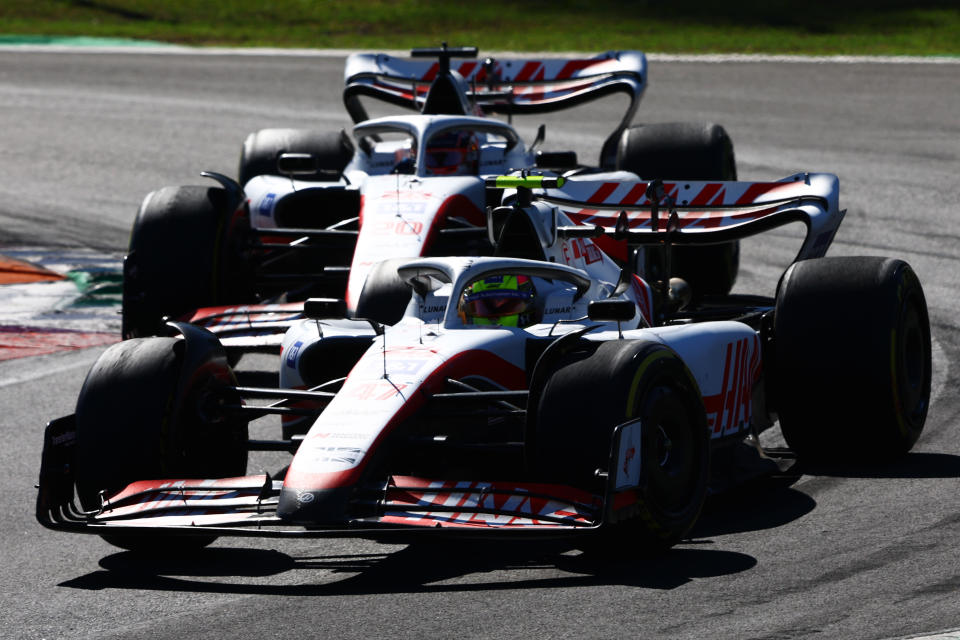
x=140, y=416
x=624, y=380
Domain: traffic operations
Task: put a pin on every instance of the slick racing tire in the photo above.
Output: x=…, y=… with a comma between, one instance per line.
x=385, y=295
x=852, y=362
x=687, y=151
x=261, y=150
x=186, y=251
x=586, y=397
x=140, y=416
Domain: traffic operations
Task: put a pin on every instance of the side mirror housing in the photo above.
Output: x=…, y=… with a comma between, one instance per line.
x=298, y=164
x=611, y=310
x=324, y=308
x=556, y=160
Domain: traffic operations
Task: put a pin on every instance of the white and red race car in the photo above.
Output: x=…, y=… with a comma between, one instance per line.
x=555, y=396
x=312, y=212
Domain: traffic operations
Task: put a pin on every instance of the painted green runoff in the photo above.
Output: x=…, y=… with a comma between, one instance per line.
x=817, y=27
x=97, y=287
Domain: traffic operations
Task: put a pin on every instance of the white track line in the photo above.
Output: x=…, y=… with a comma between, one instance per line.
x=942, y=635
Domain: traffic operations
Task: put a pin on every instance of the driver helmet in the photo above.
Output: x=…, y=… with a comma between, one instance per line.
x=453, y=153
x=503, y=300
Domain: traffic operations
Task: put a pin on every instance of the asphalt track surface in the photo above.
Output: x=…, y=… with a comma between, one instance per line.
x=863, y=552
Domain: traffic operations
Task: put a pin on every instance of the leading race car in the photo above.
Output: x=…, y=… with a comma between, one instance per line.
x=540, y=392
x=312, y=212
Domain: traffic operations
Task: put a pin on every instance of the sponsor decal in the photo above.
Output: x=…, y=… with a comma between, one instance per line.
x=628, y=455
x=334, y=435
x=402, y=208
x=485, y=504
x=432, y=308
x=403, y=366
x=730, y=410
x=394, y=227
x=377, y=390
x=266, y=205
x=335, y=455
x=581, y=249
x=395, y=196
x=292, y=353
x=553, y=310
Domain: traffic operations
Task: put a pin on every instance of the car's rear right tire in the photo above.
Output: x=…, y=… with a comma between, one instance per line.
x=588, y=393
x=852, y=359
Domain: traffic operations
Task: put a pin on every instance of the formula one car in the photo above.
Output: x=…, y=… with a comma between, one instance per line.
x=313, y=212
x=544, y=391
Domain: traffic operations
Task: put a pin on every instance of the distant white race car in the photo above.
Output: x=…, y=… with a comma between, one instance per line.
x=312, y=212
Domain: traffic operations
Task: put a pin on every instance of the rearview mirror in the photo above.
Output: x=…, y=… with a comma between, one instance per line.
x=324, y=308
x=611, y=310
x=556, y=160
x=298, y=164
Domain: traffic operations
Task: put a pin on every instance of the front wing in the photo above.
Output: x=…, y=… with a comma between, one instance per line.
x=396, y=508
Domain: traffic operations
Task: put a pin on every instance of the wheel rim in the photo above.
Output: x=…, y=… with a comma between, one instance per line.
x=912, y=368
x=671, y=454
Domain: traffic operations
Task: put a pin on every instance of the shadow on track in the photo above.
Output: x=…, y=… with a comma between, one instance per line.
x=419, y=568
x=466, y=566
x=912, y=465
x=474, y=566
x=755, y=506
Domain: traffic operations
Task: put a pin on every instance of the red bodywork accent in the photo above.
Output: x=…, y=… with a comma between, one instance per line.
x=473, y=362
x=408, y=501
x=454, y=206
x=730, y=407
x=249, y=313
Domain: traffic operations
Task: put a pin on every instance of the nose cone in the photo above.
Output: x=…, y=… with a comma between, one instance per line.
x=317, y=506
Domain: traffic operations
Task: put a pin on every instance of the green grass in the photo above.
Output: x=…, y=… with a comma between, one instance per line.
x=880, y=27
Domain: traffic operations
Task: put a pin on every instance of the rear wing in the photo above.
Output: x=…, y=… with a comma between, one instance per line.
x=637, y=212
x=503, y=85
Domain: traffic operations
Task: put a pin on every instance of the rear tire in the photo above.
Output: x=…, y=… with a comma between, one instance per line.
x=261, y=150
x=186, y=252
x=852, y=366
x=623, y=380
x=687, y=151
x=139, y=417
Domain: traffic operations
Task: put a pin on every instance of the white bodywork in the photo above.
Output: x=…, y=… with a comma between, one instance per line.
x=423, y=350
x=401, y=213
